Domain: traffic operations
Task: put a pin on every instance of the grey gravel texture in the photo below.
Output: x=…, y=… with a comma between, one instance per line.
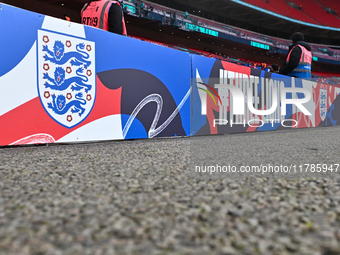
x=144, y=197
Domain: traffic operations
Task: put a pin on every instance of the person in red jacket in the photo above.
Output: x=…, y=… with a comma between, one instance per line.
x=299, y=59
x=104, y=14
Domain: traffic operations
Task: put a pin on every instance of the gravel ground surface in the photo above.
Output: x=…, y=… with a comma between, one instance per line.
x=144, y=197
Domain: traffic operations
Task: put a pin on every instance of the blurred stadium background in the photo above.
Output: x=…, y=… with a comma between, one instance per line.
x=250, y=32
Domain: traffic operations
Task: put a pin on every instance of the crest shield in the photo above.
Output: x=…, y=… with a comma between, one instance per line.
x=66, y=77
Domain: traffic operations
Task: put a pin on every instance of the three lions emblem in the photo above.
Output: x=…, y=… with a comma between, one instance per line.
x=66, y=77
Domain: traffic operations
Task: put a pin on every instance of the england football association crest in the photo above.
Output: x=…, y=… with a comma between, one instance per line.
x=66, y=77
x=323, y=103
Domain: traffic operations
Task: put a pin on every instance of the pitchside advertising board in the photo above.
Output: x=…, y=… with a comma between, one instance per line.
x=62, y=82
x=229, y=98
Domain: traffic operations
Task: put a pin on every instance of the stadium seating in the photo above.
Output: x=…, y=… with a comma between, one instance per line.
x=281, y=7
x=318, y=50
x=315, y=11
x=335, y=5
x=312, y=11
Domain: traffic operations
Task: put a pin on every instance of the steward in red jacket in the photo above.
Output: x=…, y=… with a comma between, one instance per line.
x=299, y=59
x=104, y=14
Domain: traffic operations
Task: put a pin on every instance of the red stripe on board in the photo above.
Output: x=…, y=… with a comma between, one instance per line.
x=236, y=68
x=30, y=118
